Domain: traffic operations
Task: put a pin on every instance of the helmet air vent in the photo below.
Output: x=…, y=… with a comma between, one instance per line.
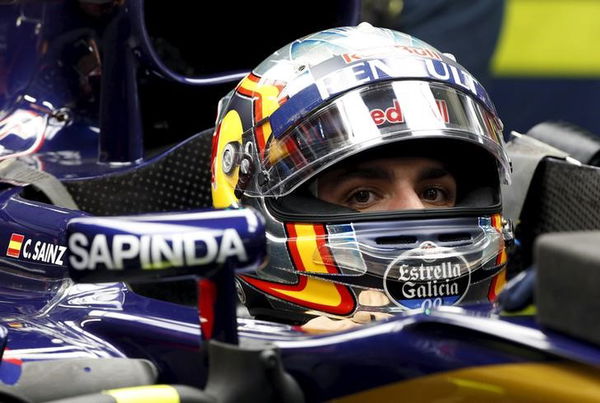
x=396, y=240
x=455, y=237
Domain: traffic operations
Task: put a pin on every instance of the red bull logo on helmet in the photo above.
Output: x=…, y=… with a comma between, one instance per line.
x=394, y=113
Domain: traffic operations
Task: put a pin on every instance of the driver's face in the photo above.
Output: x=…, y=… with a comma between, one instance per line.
x=400, y=183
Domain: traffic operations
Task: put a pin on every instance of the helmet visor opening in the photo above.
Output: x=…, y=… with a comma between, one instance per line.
x=373, y=116
x=470, y=170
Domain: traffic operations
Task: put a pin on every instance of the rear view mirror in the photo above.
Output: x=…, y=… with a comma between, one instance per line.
x=164, y=246
x=205, y=245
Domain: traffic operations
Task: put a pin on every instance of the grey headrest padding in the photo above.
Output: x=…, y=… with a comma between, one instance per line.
x=581, y=144
x=525, y=153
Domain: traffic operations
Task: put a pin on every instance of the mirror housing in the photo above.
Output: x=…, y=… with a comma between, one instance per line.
x=164, y=246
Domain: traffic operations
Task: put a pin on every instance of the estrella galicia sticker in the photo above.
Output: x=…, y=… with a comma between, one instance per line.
x=427, y=276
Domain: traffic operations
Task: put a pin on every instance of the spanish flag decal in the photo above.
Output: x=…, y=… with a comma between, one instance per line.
x=497, y=285
x=309, y=253
x=14, y=246
x=499, y=281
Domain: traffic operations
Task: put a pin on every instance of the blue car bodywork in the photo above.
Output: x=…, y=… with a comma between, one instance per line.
x=66, y=114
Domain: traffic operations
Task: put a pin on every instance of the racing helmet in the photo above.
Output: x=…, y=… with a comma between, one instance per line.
x=337, y=96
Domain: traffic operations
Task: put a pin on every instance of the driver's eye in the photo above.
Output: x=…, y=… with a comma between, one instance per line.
x=362, y=196
x=361, y=199
x=434, y=195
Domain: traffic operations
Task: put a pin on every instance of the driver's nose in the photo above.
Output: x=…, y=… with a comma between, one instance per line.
x=405, y=198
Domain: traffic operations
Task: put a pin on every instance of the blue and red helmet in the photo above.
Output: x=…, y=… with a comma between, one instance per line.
x=340, y=95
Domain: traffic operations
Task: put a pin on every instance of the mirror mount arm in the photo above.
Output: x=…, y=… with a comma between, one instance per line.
x=153, y=61
x=121, y=132
x=217, y=306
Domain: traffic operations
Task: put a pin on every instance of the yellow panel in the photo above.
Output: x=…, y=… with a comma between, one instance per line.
x=527, y=382
x=556, y=38
x=530, y=310
x=224, y=184
x=145, y=394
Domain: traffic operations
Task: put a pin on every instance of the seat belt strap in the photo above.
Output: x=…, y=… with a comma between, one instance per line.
x=19, y=173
